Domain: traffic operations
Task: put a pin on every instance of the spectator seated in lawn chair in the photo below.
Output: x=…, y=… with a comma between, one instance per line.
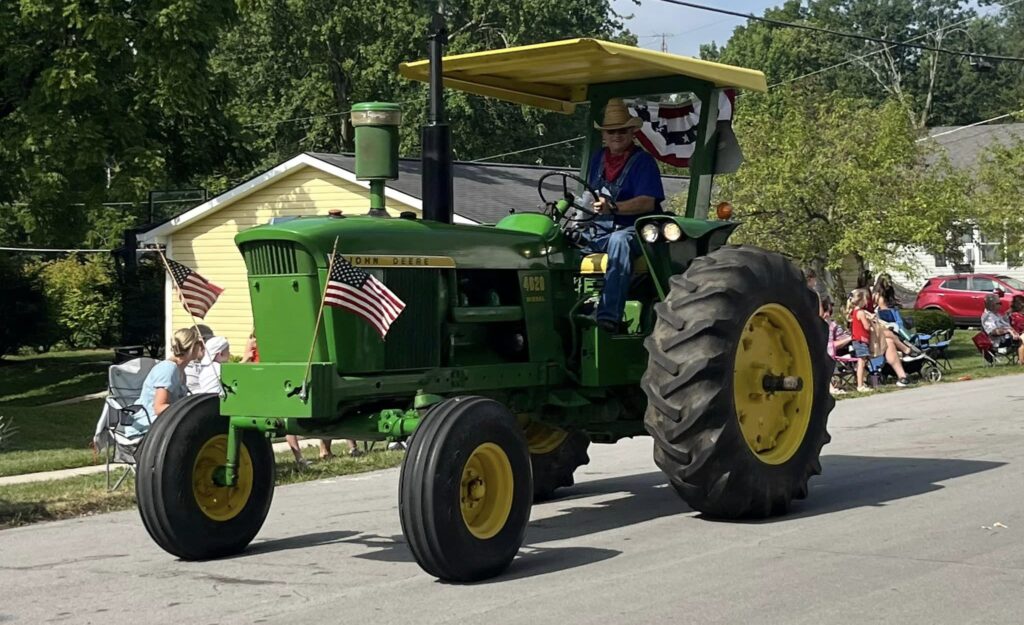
x=1016, y=317
x=1003, y=338
x=120, y=410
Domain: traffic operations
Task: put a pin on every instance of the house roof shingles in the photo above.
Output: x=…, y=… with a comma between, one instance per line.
x=484, y=192
x=964, y=146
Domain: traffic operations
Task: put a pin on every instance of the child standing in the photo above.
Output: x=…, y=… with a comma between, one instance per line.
x=860, y=328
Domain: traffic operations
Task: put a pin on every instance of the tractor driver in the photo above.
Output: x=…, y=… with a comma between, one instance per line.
x=629, y=177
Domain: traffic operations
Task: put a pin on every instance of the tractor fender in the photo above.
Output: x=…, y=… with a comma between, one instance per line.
x=668, y=258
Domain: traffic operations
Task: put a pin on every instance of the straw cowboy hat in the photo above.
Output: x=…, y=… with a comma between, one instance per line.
x=617, y=116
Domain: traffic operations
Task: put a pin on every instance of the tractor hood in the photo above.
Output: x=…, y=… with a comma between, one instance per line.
x=375, y=242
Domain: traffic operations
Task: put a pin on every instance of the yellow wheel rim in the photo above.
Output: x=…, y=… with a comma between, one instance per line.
x=486, y=491
x=543, y=439
x=220, y=503
x=773, y=423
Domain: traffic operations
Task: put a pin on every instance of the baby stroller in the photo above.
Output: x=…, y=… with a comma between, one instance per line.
x=920, y=364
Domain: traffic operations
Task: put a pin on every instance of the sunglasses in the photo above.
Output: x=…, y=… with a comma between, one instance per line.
x=619, y=131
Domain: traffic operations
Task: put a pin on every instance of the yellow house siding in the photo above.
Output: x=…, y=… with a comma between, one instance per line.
x=207, y=245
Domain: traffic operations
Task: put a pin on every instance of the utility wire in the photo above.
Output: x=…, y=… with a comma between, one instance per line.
x=309, y=117
x=537, y=147
x=959, y=128
x=50, y=250
x=838, y=33
x=880, y=50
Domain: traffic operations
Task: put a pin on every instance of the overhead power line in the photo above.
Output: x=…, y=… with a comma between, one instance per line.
x=47, y=250
x=880, y=50
x=536, y=147
x=839, y=33
x=309, y=117
x=960, y=128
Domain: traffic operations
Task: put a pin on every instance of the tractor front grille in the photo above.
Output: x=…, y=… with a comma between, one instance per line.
x=270, y=258
x=414, y=340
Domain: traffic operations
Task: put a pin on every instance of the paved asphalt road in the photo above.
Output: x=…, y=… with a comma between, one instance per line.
x=918, y=518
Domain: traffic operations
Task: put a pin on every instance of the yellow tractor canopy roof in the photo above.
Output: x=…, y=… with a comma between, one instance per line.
x=555, y=75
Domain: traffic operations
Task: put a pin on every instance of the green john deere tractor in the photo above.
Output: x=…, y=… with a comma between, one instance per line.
x=492, y=371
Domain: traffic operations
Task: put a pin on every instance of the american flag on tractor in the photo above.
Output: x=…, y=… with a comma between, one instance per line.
x=197, y=293
x=352, y=289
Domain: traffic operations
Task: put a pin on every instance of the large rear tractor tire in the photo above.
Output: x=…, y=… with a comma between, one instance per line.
x=736, y=328
x=182, y=507
x=465, y=490
x=555, y=454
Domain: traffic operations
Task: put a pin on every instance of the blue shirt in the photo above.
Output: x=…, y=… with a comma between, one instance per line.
x=164, y=375
x=643, y=178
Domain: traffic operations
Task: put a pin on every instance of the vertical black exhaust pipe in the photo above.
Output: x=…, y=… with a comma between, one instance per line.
x=437, y=135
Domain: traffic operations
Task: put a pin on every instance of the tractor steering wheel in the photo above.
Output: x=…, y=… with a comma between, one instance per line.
x=584, y=211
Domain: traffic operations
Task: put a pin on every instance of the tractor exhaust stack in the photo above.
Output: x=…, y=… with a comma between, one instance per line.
x=437, y=135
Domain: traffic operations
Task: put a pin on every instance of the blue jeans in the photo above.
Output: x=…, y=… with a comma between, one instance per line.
x=621, y=246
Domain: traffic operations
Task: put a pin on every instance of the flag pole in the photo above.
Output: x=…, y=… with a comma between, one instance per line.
x=316, y=329
x=181, y=298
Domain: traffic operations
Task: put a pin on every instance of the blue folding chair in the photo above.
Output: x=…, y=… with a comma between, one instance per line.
x=893, y=317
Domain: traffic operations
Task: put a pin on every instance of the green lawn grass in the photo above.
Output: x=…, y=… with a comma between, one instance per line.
x=55, y=376
x=50, y=437
x=21, y=504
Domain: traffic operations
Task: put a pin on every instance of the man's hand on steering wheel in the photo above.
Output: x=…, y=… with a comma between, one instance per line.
x=602, y=206
x=605, y=206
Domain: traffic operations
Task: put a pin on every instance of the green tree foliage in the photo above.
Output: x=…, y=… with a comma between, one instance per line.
x=827, y=178
x=81, y=299
x=997, y=205
x=936, y=89
x=308, y=61
x=104, y=101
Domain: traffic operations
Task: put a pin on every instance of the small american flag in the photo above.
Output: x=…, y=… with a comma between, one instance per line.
x=355, y=290
x=197, y=293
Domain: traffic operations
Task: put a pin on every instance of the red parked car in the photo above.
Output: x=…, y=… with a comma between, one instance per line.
x=963, y=295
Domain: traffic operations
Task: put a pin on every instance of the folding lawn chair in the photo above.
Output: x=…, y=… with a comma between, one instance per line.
x=938, y=348
x=124, y=386
x=844, y=375
x=991, y=353
x=893, y=318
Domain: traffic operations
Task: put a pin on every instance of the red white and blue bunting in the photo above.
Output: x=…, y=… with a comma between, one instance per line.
x=669, y=132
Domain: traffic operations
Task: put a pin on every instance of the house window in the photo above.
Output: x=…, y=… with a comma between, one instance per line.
x=991, y=249
x=940, y=260
x=992, y=253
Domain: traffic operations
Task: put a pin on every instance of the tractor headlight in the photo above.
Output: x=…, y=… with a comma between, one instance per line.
x=671, y=231
x=649, y=233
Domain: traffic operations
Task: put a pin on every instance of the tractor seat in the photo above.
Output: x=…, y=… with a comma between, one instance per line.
x=596, y=264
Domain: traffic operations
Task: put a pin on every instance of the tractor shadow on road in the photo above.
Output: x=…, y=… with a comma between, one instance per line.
x=605, y=504
x=296, y=542
x=870, y=481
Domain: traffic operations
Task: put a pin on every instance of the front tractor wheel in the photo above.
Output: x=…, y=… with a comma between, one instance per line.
x=465, y=490
x=737, y=384
x=182, y=501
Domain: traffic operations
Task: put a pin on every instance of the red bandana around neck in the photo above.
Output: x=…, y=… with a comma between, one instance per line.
x=615, y=163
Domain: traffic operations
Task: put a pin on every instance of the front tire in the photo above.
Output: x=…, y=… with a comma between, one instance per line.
x=465, y=490
x=182, y=508
x=736, y=319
